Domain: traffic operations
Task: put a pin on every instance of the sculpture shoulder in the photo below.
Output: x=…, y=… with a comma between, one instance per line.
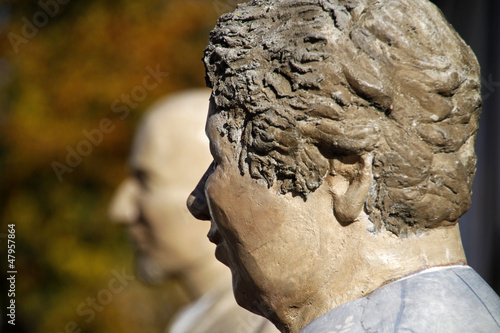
x=447, y=299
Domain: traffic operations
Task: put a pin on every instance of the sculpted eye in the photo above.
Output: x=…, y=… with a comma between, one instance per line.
x=142, y=177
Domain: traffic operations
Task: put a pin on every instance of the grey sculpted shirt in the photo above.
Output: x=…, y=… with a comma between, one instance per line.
x=445, y=299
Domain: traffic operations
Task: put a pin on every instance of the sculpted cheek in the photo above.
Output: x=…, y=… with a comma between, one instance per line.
x=260, y=221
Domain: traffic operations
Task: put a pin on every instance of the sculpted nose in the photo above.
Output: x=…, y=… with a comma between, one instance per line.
x=123, y=208
x=197, y=201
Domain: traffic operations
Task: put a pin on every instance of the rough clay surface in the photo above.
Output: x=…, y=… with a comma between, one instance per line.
x=302, y=82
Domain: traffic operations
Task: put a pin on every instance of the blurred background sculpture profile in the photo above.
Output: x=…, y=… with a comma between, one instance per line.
x=343, y=141
x=169, y=152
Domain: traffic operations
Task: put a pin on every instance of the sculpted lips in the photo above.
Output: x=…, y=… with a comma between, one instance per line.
x=214, y=236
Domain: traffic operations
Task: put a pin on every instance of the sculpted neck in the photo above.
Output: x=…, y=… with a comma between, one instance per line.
x=376, y=259
x=204, y=276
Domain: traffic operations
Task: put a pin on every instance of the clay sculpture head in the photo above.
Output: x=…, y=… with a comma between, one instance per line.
x=343, y=137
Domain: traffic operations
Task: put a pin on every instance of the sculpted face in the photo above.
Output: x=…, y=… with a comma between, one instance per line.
x=260, y=233
x=168, y=155
x=291, y=258
x=251, y=223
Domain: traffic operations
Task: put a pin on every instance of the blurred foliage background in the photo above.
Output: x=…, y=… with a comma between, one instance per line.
x=60, y=79
x=57, y=80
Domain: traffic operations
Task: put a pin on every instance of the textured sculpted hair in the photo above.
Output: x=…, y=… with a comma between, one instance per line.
x=299, y=82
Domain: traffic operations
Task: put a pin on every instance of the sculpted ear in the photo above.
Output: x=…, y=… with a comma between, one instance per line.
x=349, y=180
